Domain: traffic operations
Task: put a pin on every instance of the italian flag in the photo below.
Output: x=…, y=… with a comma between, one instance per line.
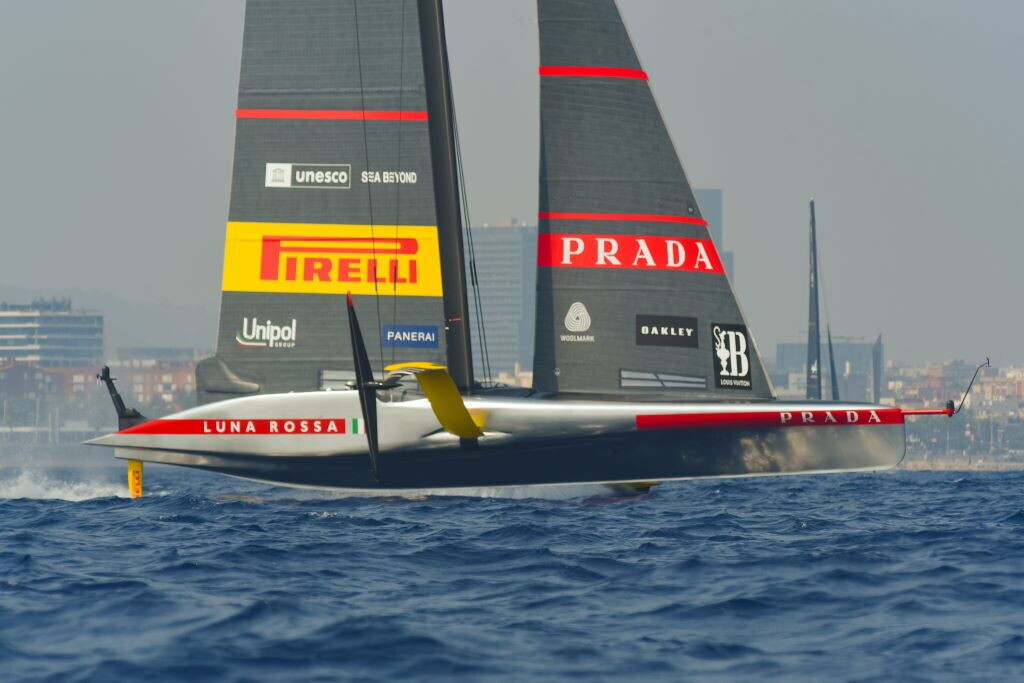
x=355, y=426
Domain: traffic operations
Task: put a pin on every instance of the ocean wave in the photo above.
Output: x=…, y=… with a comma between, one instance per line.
x=909, y=576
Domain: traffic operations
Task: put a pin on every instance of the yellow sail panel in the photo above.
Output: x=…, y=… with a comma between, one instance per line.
x=306, y=258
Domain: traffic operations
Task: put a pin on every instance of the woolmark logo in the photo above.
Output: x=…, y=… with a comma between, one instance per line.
x=410, y=336
x=732, y=360
x=267, y=334
x=577, y=320
x=310, y=176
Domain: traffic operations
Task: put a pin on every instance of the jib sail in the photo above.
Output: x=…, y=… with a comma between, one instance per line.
x=332, y=193
x=632, y=297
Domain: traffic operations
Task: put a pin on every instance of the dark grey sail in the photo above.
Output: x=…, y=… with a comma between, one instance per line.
x=332, y=192
x=813, y=322
x=632, y=298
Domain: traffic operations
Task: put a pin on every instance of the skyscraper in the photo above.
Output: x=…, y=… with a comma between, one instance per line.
x=506, y=259
x=710, y=202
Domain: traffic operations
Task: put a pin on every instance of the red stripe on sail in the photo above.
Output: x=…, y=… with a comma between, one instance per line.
x=594, y=72
x=781, y=418
x=309, y=426
x=640, y=217
x=331, y=114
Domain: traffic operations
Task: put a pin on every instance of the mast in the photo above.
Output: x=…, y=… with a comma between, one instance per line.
x=876, y=370
x=446, y=191
x=813, y=333
x=832, y=365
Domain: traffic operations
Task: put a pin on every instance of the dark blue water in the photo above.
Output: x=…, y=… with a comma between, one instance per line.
x=897, y=576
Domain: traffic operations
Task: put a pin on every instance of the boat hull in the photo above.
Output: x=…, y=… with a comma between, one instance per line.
x=529, y=442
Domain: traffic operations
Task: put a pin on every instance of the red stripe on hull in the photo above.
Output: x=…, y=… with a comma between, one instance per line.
x=782, y=418
x=949, y=412
x=640, y=217
x=331, y=115
x=594, y=72
x=284, y=426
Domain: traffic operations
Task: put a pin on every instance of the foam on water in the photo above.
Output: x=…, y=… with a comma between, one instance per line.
x=553, y=492
x=40, y=485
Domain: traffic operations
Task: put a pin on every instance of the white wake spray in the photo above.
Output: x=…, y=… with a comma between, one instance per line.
x=37, y=485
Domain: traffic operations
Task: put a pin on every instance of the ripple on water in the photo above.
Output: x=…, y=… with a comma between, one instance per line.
x=906, y=575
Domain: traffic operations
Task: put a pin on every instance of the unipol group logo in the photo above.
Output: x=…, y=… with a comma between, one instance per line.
x=732, y=356
x=267, y=334
x=577, y=320
x=332, y=259
x=315, y=176
x=630, y=252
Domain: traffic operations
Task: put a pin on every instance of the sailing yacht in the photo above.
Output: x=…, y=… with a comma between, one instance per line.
x=344, y=357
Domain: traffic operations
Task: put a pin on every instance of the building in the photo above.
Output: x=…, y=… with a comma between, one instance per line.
x=166, y=354
x=154, y=386
x=50, y=334
x=506, y=265
x=710, y=203
x=855, y=368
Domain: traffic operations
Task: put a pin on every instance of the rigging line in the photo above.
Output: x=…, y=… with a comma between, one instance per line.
x=485, y=359
x=823, y=295
x=398, y=186
x=369, y=186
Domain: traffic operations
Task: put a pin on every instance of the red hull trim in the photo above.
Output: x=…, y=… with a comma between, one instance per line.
x=237, y=427
x=948, y=412
x=776, y=418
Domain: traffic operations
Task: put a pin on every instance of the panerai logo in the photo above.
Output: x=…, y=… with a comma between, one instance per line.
x=317, y=176
x=666, y=330
x=577, y=320
x=732, y=359
x=410, y=336
x=267, y=334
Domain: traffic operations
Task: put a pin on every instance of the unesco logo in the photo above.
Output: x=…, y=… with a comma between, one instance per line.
x=309, y=176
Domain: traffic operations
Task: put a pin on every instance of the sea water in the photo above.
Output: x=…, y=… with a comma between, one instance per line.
x=889, y=576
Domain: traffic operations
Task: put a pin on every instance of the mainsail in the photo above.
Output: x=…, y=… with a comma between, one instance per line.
x=332, y=192
x=632, y=298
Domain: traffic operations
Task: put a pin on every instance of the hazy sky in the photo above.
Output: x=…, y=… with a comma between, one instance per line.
x=903, y=118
